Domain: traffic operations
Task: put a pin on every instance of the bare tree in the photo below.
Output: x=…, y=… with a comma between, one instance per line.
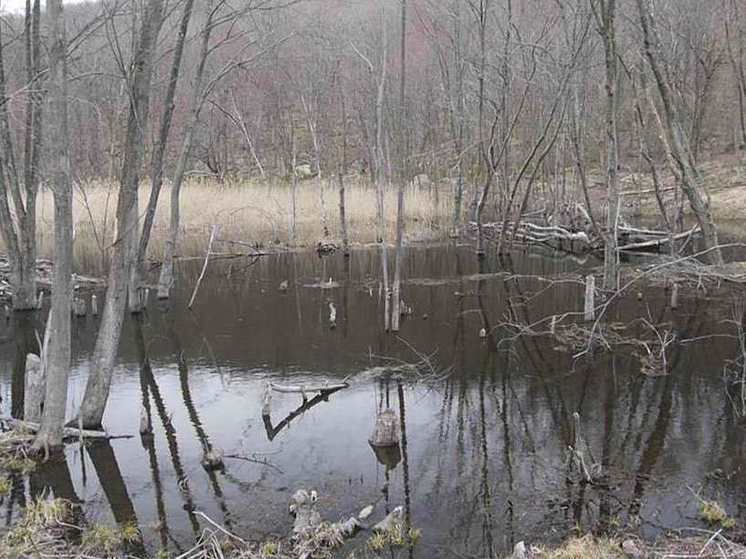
x=19, y=188
x=158, y=160
x=124, y=248
x=196, y=102
x=403, y=175
x=691, y=179
x=605, y=12
x=58, y=352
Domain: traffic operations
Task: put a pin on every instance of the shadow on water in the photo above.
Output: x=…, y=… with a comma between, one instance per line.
x=483, y=458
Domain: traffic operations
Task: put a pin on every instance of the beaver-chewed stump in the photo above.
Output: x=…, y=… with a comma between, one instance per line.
x=212, y=459
x=387, y=431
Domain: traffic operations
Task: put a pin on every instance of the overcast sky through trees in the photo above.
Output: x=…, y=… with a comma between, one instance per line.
x=17, y=5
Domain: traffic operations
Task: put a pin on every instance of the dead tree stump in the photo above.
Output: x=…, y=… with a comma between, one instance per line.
x=590, y=298
x=387, y=431
x=35, y=389
x=79, y=307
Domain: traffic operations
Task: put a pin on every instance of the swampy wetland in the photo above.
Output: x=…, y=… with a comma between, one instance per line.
x=485, y=421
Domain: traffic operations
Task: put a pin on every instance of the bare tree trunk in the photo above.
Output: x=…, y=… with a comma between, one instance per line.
x=166, y=278
x=341, y=174
x=605, y=11
x=58, y=352
x=156, y=171
x=404, y=176
x=380, y=178
x=294, y=185
x=107, y=343
x=18, y=216
x=737, y=67
x=481, y=196
x=691, y=180
x=506, y=105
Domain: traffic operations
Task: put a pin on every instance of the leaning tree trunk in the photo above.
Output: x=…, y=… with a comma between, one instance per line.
x=157, y=164
x=691, y=179
x=107, y=343
x=58, y=352
x=166, y=278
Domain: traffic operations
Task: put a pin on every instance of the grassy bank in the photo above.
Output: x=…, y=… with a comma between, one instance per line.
x=251, y=212
x=707, y=546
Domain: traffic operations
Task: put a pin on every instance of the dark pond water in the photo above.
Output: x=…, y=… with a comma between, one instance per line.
x=483, y=461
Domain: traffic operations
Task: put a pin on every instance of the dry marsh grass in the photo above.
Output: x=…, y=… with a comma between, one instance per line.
x=249, y=212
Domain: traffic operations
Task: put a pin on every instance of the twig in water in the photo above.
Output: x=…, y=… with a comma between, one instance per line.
x=213, y=234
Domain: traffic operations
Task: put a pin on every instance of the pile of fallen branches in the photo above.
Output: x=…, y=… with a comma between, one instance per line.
x=650, y=344
x=44, y=269
x=528, y=232
x=690, y=272
x=575, y=240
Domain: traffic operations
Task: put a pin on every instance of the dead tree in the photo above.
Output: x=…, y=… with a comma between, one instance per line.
x=19, y=188
x=166, y=279
x=200, y=93
x=605, y=13
x=403, y=178
x=341, y=170
x=378, y=152
x=58, y=352
x=123, y=251
x=736, y=59
x=673, y=130
x=158, y=159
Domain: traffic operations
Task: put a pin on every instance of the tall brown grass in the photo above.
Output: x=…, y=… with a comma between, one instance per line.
x=249, y=212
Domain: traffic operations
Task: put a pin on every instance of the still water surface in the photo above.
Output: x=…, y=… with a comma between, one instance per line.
x=483, y=462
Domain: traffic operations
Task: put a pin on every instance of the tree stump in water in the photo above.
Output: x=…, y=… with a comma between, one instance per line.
x=79, y=307
x=590, y=298
x=33, y=402
x=387, y=432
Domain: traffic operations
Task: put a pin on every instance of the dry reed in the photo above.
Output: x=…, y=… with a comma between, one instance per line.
x=249, y=212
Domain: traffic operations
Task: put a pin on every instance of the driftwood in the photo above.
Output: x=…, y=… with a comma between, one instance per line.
x=213, y=233
x=67, y=432
x=659, y=240
x=581, y=241
x=274, y=430
x=306, y=388
x=392, y=519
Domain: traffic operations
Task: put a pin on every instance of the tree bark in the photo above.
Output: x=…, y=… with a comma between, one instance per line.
x=691, y=179
x=156, y=171
x=107, y=343
x=18, y=215
x=404, y=176
x=166, y=278
x=380, y=178
x=58, y=352
x=341, y=176
x=605, y=11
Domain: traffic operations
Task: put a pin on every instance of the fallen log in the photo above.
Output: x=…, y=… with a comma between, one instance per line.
x=659, y=242
x=306, y=388
x=67, y=432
